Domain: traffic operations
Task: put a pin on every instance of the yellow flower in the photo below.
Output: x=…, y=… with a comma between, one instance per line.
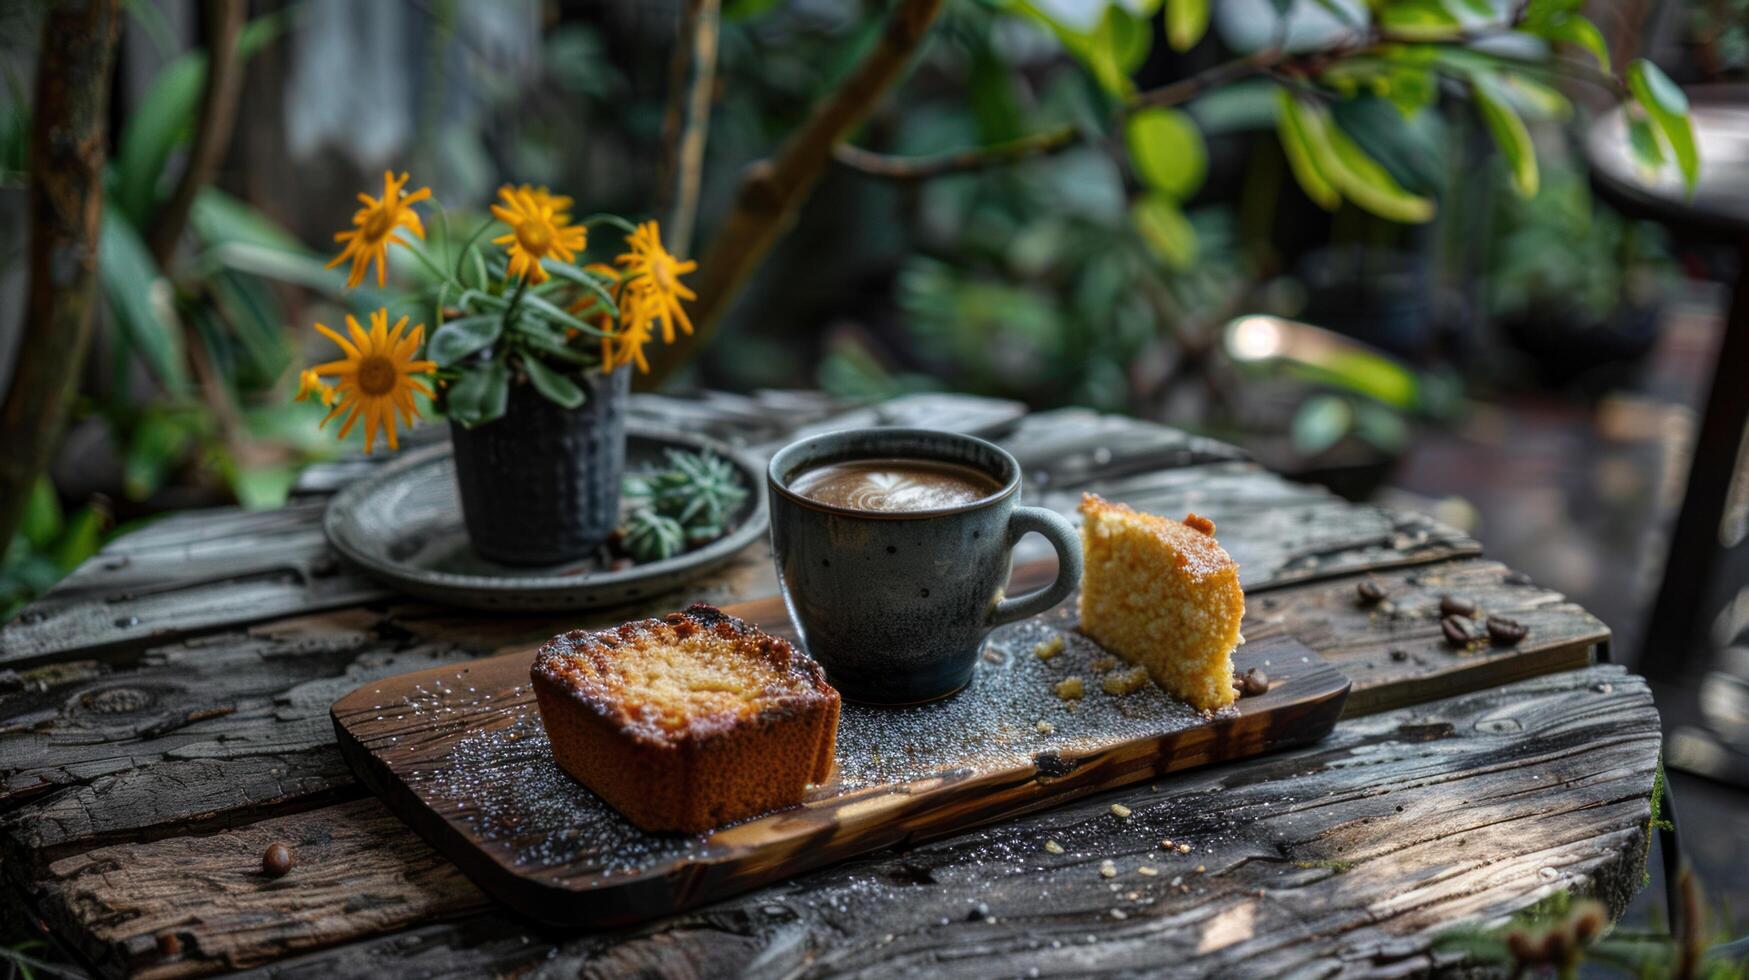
x=540, y=226
x=310, y=384
x=375, y=229
x=627, y=343
x=653, y=275
x=376, y=376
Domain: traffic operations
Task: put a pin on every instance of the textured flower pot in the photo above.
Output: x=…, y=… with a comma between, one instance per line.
x=540, y=485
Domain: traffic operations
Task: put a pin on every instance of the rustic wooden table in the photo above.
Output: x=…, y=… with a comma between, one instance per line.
x=164, y=717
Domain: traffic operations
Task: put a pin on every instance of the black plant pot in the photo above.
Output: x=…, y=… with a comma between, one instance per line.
x=540, y=485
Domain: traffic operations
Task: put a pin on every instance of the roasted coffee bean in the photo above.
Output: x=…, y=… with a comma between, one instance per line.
x=1451, y=605
x=1459, y=631
x=1505, y=631
x=1371, y=592
x=1254, y=682
x=276, y=861
x=169, y=944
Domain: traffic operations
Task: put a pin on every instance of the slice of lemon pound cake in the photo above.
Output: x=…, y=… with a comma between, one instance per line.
x=1163, y=594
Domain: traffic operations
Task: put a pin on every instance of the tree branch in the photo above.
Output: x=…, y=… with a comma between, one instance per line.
x=1051, y=140
x=218, y=115
x=66, y=212
x=773, y=189
x=687, y=121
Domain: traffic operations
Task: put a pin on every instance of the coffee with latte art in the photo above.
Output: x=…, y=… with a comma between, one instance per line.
x=895, y=484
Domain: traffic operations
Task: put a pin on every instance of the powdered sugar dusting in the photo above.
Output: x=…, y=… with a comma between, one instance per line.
x=499, y=778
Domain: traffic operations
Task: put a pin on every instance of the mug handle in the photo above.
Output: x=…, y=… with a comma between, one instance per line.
x=1063, y=537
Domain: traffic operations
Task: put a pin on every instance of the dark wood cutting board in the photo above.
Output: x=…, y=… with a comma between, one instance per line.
x=460, y=754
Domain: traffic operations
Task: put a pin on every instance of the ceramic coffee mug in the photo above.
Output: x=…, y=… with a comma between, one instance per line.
x=895, y=604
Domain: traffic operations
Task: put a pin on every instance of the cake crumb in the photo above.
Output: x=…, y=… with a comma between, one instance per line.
x=1200, y=869
x=1107, y=869
x=1184, y=848
x=1071, y=688
x=1202, y=524
x=1044, y=727
x=1125, y=682
x=1119, y=914
x=1148, y=869
x=1120, y=811
x=1167, y=844
x=1049, y=647
x=1100, y=665
x=1053, y=847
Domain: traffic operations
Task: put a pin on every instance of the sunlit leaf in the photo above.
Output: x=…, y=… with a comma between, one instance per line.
x=1167, y=151
x=42, y=514
x=1165, y=229
x=1186, y=22
x=1307, y=168
x=1404, y=147
x=1667, y=106
x=1355, y=174
x=1643, y=142
x=1418, y=20
x=1508, y=132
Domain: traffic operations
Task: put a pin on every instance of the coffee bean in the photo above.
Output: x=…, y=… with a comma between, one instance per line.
x=979, y=913
x=1458, y=630
x=1254, y=682
x=1371, y=592
x=1506, y=632
x=1399, y=655
x=276, y=861
x=169, y=944
x=1451, y=605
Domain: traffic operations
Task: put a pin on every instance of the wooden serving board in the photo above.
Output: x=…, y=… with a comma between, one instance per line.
x=459, y=753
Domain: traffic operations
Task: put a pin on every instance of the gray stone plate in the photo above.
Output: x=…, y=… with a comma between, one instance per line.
x=403, y=525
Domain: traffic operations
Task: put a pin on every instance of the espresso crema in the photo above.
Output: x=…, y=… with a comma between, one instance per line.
x=895, y=484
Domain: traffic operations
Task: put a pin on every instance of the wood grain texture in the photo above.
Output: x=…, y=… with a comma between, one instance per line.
x=85, y=761
x=1343, y=858
x=460, y=753
x=1278, y=531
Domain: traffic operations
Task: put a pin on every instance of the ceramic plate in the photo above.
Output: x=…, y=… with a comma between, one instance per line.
x=403, y=525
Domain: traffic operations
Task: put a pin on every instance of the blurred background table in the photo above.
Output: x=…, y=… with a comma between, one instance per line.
x=165, y=711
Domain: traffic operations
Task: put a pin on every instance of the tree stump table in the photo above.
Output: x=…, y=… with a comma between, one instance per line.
x=164, y=718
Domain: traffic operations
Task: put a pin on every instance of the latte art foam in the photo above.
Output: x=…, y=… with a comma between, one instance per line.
x=895, y=484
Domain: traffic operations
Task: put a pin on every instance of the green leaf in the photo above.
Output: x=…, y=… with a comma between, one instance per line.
x=1418, y=20
x=479, y=395
x=565, y=270
x=458, y=338
x=553, y=313
x=1578, y=30
x=557, y=388
x=80, y=540
x=1508, y=132
x=1667, y=106
x=1643, y=142
x=164, y=119
x=1106, y=50
x=1186, y=22
x=156, y=445
x=1165, y=229
x=1167, y=151
x=1290, y=128
x=1349, y=169
x=1402, y=146
x=1321, y=423
x=42, y=515
x=139, y=297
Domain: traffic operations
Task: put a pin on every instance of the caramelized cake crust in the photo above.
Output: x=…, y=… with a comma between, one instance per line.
x=1162, y=594
x=687, y=722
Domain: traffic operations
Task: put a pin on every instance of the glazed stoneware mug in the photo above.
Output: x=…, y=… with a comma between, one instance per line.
x=895, y=604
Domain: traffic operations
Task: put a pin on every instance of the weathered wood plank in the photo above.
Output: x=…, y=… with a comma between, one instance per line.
x=1343, y=858
x=190, y=572
x=200, y=571
x=244, y=713
x=1395, y=651
x=1279, y=531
